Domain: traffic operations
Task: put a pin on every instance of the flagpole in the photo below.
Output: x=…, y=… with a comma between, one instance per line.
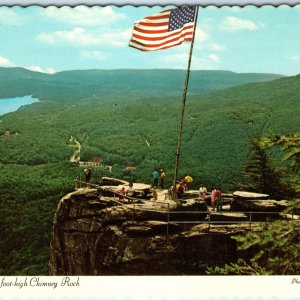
x=183, y=106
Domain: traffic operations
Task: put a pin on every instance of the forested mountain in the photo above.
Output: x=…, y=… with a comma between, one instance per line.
x=96, y=83
x=139, y=130
x=136, y=128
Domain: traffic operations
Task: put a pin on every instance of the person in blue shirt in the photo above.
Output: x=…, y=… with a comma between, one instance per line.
x=155, y=176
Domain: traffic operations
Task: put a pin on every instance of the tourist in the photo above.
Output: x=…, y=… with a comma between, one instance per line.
x=170, y=192
x=219, y=201
x=180, y=190
x=122, y=194
x=130, y=192
x=162, y=177
x=88, y=175
x=154, y=193
x=202, y=192
x=184, y=183
x=213, y=198
x=188, y=179
x=155, y=176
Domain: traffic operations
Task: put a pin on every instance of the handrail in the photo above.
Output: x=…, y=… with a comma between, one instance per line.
x=168, y=212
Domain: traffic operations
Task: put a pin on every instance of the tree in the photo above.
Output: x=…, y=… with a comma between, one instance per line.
x=276, y=247
x=290, y=147
x=261, y=174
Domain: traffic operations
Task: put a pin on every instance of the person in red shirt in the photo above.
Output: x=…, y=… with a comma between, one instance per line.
x=219, y=202
x=213, y=198
x=183, y=181
x=122, y=194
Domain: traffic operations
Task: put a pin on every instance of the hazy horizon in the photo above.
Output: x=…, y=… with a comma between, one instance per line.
x=242, y=40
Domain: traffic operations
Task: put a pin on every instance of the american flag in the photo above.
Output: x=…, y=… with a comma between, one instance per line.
x=164, y=30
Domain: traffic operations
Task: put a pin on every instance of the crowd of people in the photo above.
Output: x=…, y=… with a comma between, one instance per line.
x=128, y=194
x=182, y=186
x=159, y=178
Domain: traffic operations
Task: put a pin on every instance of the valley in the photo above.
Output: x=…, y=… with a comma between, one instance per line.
x=124, y=124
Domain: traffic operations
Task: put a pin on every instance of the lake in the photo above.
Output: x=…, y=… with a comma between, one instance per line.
x=13, y=104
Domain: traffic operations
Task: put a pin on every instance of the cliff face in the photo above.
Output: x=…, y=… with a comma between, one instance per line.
x=94, y=236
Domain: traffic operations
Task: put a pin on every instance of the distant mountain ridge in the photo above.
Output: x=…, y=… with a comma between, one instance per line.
x=80, y=84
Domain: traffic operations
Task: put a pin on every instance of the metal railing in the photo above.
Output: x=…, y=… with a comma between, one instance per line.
x=132, y=205
x=79, y=183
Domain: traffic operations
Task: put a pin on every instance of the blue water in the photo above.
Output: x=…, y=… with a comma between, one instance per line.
x=13, y=104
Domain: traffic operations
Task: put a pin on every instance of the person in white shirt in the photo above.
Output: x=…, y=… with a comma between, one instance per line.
x=202, y=192
x=130, y=192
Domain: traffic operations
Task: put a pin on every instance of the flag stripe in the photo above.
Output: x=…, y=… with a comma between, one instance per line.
x=168, y=44
x=147, y=43
x=155, y=19
x=149, y=28
x=154, y=39
x=163, y=30
x=148, y=34
x=150, y=31
x=153, y=24
x=147, y=49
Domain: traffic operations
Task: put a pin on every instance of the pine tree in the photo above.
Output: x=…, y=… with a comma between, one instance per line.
x=260, y=173
x=290, y=146
x=277, y=246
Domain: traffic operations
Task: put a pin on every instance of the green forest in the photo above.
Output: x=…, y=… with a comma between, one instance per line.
x=125, y=118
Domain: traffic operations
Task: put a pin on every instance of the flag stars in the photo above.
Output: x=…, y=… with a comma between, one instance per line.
x=181, y=16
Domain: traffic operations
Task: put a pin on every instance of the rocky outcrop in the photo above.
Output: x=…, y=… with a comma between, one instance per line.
x=96, y=235
x=263, y=209
x=112, y=181
x=258, y=205
x=195, y=195
x=249, y=196
x=110, y=186
x=225, y=217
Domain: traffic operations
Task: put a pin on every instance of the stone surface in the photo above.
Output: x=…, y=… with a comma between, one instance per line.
x=141, y=190
x=108, y=181
x=258, y=205
x=263, y=210
x=95, y=234
x=184, y=212
x=249, y=195
x=92, y=235
x=232, y=217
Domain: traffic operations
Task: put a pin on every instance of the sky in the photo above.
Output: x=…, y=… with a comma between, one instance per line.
x=249, y=39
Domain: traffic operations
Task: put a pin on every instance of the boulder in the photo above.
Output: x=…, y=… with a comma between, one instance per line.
x=107, y=191
x=238, y=204
x=191, y=194
x=141, y=190
x=108, y=181
x=189, y=210
x=192, y=205
x=263, y=210
x=249, y=195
